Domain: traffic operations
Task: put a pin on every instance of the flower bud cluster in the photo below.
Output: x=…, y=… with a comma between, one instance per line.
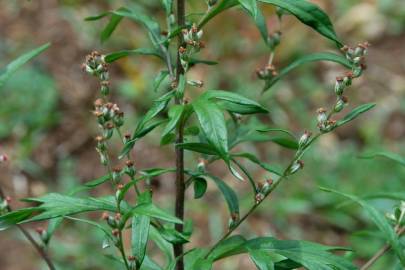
x=357, y=57
x=324, y=123
x=95, y=65
x=267, y=73
x=193, y=44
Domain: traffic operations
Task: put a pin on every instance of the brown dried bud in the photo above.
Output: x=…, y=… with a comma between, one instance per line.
x=127, y=136
x=40, y=230
x=182, y=50
x=269, y=181
x=129, y=163
x=109, y=125
x=345, y=48
x=105, y=216
x=131, y=258
x=120, y=186
x=117, y=169
x=115, y=232
x=98, y=102
x=321, y=110
x=201, y=44
x=117, y=217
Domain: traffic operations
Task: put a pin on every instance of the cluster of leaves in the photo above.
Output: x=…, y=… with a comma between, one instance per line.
x=212, y=129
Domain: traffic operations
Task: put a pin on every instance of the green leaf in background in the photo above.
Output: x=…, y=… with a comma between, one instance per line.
x=247, y=106
x=159, y=79
x=261, y=259
x=134, y=14
x=167, y=4
x=289, y=133
x=162, y=244
x=228, y=247
x=355, y=113
x=213, y=125
x=15, y=217
x=325, y=56
x=252, y=9
x=250, y=6
x=172, y=236
x=215, y=10
x=8, y=70
x=111, y=57
x=140, y=17
x=230, y=196
x=379, y=220
x=202, y=148
x=174, y=114
x=255, y=160
x=195, y=61
x=139, y=237
x=200, y=187
x=389, y=155
x=309, y=14
x=110, y=27
x=150, y=210
x=308, y=254
x=149, y=264
x=55, y=205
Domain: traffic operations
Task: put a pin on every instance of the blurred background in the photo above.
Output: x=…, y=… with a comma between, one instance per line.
x=47, y=128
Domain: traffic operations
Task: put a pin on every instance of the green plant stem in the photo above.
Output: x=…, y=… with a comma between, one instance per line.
x=41, y=250
x=129, y=158
x=284, y=175
x=120, y=245
x=380, y=252
x=180, y=186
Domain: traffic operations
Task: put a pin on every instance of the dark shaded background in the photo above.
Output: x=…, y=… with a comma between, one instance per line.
x=47, y=129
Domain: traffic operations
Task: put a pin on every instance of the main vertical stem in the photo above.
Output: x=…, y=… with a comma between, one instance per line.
x=180, y=187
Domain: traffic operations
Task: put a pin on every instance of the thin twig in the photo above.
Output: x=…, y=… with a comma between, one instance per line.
x=380, y=252
x=42, y=252
x=272, y=188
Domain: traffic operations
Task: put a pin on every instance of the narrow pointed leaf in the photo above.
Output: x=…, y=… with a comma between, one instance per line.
x=355, y=113
x=212, y=123
x=230, y=196
x=139, y=237
x=379, y=220
x=8, y=70
x=111, y=57
x=309, y=14
x=389, y=155
x=230, y=97
x=315, y=57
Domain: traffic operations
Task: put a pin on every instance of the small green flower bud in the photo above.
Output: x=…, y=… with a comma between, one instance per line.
x=298, y=165
x=304, y=139
x=340, y=104
x=339, y=86
x=259, y=197
x=322, y=117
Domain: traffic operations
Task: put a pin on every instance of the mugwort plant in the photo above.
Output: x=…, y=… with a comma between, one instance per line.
x=209, y=126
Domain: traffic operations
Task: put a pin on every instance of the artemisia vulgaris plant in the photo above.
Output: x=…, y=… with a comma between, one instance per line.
x=209, y=126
